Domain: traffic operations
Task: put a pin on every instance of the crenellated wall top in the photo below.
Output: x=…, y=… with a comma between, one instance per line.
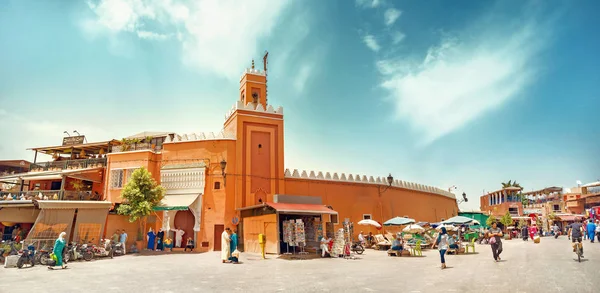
x=200, y=137
x=362, y=179
x=253, y=71
x=239, y=105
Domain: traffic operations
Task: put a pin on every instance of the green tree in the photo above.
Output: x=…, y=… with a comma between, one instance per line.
x=140, y=195
x=491, y=219
x=522, y=223
x=506, y=220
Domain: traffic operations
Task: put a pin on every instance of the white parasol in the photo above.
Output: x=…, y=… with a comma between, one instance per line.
x=369, y=223
x=413, y=229
x=448, y=228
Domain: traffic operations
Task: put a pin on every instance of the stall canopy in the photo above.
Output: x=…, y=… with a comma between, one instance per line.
x=569, y=218
x=399, y=221
x=176, y=202
x=458, y=220
x=295, y=208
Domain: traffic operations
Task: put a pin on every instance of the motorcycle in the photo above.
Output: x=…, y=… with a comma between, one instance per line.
x=116, y=249
x=43, y=255
x=27, y=256
x=357, y=247
x=86, y=252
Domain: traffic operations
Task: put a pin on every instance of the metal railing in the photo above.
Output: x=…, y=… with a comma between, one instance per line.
x=68, y=165
x=142, y=146
x=51, y=195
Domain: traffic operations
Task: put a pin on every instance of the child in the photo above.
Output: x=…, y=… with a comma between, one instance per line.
x=235, y=257
x=190, y=244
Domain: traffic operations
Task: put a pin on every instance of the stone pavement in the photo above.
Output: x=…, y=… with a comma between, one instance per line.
x=550, y=266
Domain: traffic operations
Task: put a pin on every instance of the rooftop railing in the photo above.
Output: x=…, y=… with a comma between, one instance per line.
x=142, y=146
x=50, y=195
x=67, y=165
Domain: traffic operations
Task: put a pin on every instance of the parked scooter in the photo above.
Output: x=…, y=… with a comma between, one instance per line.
x=86, y=252
x=43, y=255
x=116, y=249
x=27, y=256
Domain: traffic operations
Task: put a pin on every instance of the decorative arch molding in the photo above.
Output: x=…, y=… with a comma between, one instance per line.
x=260, y=194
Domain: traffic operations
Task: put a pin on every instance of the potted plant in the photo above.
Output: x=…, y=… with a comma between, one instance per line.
x=140, y=195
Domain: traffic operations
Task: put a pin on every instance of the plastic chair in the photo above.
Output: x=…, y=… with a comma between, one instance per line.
x=471, y=244
x=417, y=249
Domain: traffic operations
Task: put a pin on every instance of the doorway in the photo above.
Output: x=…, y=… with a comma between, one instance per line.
x=218, y=231
x=184, y=220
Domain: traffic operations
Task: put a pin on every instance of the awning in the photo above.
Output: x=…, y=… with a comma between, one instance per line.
x=569, y=218
x=73, y=204
x=176, y=202
x=19, y=214
x=295, y=208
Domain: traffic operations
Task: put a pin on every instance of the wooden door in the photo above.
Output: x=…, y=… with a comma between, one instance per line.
x=218, y=231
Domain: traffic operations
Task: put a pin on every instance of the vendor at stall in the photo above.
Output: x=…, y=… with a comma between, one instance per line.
x=452, y=242
x=397, y=244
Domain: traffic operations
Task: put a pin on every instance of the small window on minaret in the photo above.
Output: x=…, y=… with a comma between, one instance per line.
x=217, y=185
x=259, y=149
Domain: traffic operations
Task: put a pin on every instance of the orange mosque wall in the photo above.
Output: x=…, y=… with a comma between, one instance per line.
x=353, y=200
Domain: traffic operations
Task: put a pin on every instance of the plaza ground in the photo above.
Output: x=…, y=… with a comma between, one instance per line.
x=550, y=266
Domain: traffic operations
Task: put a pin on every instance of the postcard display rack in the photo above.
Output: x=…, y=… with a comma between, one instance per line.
x=304, y=233
x=348, y=232
x=294, y=235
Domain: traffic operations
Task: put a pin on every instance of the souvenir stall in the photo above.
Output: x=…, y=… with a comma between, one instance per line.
x=290, y=228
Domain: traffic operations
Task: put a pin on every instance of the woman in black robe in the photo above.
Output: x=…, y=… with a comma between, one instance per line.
x=160, y=236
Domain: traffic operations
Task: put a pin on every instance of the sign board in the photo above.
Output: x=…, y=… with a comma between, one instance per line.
x=73, y=140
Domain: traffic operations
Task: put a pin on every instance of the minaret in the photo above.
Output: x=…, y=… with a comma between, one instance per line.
x=253, y=87
x=258, y=129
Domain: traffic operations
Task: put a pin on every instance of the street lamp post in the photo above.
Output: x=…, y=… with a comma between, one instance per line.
x=381, y=189
x=223, y=164
x=464, y=198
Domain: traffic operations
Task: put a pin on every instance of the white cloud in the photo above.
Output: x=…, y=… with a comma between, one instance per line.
x=368, y=3
x=397, y=37
x=459, y=81
x=302, y=77
x=391, y=15
x=212, y=33
x=151, y=36
x=371, y=42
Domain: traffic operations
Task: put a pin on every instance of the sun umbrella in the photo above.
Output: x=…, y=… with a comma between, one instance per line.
x=448, y=228
x=369, y=223
x=399, y=221
x=413, y=229
x=458, y=220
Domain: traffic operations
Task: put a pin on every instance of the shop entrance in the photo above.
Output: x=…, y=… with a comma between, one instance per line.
x=313, y=232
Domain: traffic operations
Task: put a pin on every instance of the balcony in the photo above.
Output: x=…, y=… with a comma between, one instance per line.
x=67, y=165
x=51, y=195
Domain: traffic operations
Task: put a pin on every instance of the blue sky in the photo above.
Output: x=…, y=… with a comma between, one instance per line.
x=465, y=93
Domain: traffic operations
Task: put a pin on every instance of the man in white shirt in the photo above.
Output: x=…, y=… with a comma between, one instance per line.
x=178, y=236
x=361, y=238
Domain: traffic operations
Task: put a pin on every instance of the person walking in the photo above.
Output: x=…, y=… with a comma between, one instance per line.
x=496, y=241
x=591, y=230
x=598, y=230
x=59, y=245
x=123, y=240
x=442, y=242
